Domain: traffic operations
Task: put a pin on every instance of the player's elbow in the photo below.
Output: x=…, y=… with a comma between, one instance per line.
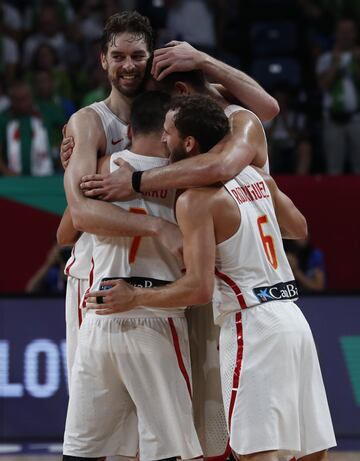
x=300, y=230
x=303, y=228
x=269, y=110
x=202, y=294
x=78, y=218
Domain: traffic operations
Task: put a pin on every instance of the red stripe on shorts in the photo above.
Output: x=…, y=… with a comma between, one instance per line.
x=91, y=278
x=178, y=354
x=225, y=278
x=79, y=304
x=237, y=370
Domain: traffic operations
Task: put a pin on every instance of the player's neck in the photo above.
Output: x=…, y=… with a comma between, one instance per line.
x=149, y=145
x=119, y=105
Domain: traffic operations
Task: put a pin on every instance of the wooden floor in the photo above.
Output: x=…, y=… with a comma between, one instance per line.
x=333, y=456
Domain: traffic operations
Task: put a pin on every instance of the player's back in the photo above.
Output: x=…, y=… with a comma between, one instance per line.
x=251, y=265
x=142, y=261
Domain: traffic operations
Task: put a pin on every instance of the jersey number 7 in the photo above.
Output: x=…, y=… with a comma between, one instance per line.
x=136, y=240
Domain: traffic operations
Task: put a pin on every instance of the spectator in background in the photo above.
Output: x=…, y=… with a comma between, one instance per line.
x=54, y=110
x=9, y=51
x=307, y=264
x=25, y=148
x=49, y=279
x=290, y=150
x=45, y=58
x=99, y=86
x=47, y=31
x=4, y=98
x=184, y=23
x=12, y=23
x=338, y=73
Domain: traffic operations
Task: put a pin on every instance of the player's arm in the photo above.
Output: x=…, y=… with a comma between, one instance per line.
x=234, y=84
x=66, y=233
x=92, y=215
x=291, y=221
x=195, y=287
x=242, y=147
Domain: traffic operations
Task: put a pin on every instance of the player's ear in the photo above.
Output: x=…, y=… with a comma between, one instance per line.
x=103, y=60
x=130, y=133
x=182, y=88
x=190, y=144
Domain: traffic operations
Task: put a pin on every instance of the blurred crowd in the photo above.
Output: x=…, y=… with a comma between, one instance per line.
x=304, y=52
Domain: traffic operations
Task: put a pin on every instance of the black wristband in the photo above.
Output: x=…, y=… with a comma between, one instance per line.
x=136, y=180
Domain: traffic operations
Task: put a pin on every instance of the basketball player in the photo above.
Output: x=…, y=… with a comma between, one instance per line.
x=273, y=392
x=131, y=380
x=239, y=149
x=100, y=129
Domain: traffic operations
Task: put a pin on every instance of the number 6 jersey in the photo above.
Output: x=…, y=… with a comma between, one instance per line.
x=141, y=261
x=251, y=266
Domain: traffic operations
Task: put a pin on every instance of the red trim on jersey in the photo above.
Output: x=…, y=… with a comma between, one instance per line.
x=178, y=354
x=67, y=270
x=79, y=304
x=237, y=370
x=225, y=278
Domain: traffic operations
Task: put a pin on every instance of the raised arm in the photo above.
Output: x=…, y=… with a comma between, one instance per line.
x=195, y=287
x=181, y=57
x=245, y=145
x=291, y=221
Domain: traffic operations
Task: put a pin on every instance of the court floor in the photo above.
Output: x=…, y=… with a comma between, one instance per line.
x=333, y=456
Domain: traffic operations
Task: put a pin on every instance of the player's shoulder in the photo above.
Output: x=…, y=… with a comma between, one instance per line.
x=85, y=120
x=197, y=200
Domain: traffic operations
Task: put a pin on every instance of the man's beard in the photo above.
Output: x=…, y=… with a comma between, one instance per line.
x=177, y=154
x=130, y=92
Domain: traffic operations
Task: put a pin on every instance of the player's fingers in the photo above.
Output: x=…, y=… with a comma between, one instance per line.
x=63, y=131
x=98, y=193
x=105, y=311
x=92, y=177
x=120, y=162
x=166, y=72
x=173, y=43
x=160, y=65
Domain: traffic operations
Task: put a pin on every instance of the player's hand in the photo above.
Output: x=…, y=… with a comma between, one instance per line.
x=176, y=57
x=171, y=237
x=118, y=298
x=111, y=187
x=66, y=148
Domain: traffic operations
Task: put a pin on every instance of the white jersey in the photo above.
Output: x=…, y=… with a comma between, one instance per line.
x=232, y=109
x=79, y=264
x=251, y=266
x=141, y=261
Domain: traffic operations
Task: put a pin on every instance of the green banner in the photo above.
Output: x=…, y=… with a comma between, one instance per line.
x=46, y=194
x=350, y=346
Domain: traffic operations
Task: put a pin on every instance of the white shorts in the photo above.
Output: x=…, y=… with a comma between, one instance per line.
x=75, y=289
x=210, y=421
x=131, y=390
x=272, y=386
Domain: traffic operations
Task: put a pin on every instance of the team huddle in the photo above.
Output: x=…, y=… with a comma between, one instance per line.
x=171, y=205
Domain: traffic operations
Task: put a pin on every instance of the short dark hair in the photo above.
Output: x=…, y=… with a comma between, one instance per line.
x=201, y=117
x=148, y=112
x=131, y=22
x=195, y=78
